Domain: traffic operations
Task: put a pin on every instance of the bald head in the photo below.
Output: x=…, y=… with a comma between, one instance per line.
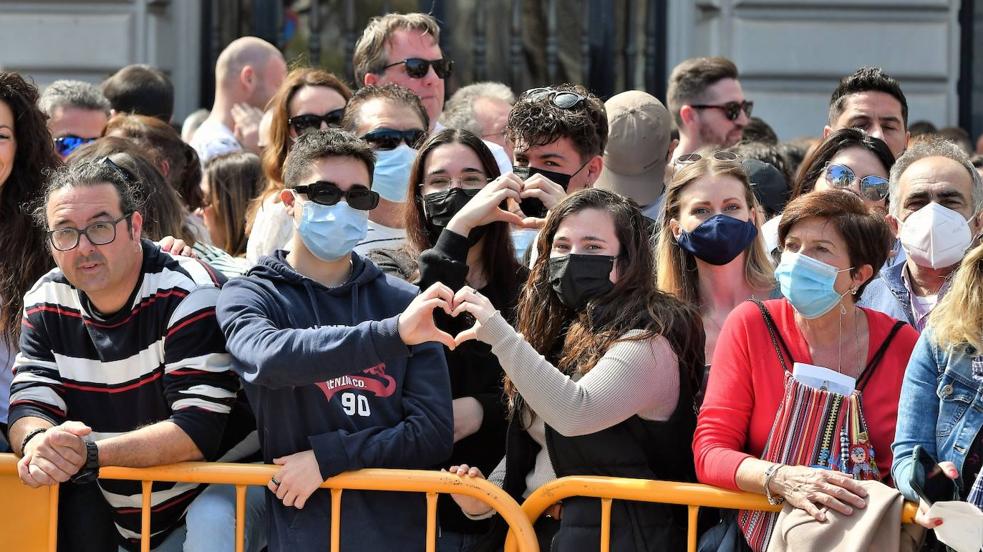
x=249, y=70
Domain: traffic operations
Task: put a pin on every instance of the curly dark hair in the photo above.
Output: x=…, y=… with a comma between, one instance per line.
x=865, y=79
x=20, y=240
x=535, y=120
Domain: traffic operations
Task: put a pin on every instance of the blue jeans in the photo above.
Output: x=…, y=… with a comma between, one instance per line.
x=211, y=521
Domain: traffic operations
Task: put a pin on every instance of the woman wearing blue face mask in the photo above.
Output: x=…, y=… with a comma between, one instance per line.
x=601, y=372
x=458, y=235
x=831, y=244
x=710, y=253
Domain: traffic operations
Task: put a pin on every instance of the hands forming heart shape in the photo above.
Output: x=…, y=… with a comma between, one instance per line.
x=416, y=324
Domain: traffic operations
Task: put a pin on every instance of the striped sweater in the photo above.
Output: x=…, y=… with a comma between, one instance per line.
x=162, y=358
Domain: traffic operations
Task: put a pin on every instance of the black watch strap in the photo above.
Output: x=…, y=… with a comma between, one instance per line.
x=90, y=470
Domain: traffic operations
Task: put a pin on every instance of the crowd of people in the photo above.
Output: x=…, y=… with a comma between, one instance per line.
x=516, y=287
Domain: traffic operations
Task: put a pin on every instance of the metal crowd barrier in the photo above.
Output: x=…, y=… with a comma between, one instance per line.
x=28, y=517
x=691, y=495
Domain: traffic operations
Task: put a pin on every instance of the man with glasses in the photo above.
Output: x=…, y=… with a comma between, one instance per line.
x=935, y=210
x=558, y=136
x=334, y=359
x=707, y=103
x=393, y=121
x=122, y=363
x=77, y=113
x=247, y=74
x=872, y=101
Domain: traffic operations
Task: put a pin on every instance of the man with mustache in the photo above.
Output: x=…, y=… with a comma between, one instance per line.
x=122, y=363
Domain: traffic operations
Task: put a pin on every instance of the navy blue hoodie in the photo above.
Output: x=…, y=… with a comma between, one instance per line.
x=325, y=369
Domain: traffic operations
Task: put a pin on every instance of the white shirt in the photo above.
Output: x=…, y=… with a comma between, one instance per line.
x=213, y=139
x=381, y=237
x=271, y=230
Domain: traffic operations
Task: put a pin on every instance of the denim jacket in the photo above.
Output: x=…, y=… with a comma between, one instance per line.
x=941, y=408
x=888, y=294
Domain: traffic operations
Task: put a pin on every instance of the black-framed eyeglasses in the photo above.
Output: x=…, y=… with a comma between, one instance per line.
x=872, y=187
x=65, y=145
x=417, y=68
x=732, y=110
x=564, y=99
x=720, y=155
x=328, y=193
x=307, y=121
x=98, y=233
x=386, y=138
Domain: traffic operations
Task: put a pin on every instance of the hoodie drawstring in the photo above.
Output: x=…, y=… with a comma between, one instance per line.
x=314, y=302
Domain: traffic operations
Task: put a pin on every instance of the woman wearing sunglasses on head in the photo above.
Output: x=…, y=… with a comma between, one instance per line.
x=601, y=371
x=308, y=99
x=458, y=235
x=710, y=254
x=27, y=154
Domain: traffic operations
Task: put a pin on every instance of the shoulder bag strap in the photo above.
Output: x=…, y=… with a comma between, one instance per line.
x=881, y=351
x=776, y=338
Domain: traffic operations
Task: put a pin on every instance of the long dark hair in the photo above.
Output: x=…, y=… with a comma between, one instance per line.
x=234, y=181
x=814, y=164
x=634, y=303
x=497, y=253
x=25, y=253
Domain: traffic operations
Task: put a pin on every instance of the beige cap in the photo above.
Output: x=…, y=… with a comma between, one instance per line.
x=638, y=140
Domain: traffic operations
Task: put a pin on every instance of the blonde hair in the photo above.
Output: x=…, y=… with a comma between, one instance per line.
x=370, y=50
x=958, y=318
x=676, y=272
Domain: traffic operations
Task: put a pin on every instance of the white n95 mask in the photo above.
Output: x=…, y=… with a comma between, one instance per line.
x=935, y=236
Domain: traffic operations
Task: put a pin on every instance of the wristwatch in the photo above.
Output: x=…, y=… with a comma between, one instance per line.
x=90, y=470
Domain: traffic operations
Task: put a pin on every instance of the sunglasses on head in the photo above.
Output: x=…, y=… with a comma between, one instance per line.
x=65, y=145
x=300, y=123
x=387, y=138
x=872, y=187
x=688, y=158
x=328, y=193
x=732, y=110
x=563, y=99
x=418, y=68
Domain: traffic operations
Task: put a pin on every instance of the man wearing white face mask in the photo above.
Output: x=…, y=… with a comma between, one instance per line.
x=935, y=201
x=393, y=121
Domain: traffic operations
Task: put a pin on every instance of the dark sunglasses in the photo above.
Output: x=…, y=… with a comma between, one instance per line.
x=688, y=158
x=563, y=99
x=65, y=145
x=418, y=68
x=328, y=193
x=732, y=110
x=872, y=187
x=300, y=123
x=386, y=138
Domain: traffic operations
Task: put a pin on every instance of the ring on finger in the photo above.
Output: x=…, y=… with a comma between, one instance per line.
x=275, y=481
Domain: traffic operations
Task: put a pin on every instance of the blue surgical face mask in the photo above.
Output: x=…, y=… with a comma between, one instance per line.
x=719, y=239
x=392, y=172
x=807, y=283
x=332, y=231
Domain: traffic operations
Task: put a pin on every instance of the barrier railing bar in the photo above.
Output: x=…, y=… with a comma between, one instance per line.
x=643, y=490
x=362, y=480
x=335, y=520
x=605, y=525
x=431, y=522
x=145, y=487
x=691, y=522
x=53, y=516
x=240, y=517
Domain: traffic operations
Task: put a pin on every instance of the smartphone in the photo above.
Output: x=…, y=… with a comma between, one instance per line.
x=934, y=485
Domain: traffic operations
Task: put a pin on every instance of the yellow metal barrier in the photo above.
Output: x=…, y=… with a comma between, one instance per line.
x=692, y=495
x=28, y=517
x=243, y=475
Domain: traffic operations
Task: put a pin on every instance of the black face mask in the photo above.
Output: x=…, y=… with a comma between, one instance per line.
x=440, y=207
x=577, y=279
x=533, y=207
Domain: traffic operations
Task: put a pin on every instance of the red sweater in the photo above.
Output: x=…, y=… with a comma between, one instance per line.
x=746, y=385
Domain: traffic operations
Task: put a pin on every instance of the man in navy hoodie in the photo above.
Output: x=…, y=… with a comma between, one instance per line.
x=338, y=360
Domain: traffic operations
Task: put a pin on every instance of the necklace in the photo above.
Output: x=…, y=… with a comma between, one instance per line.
x=856, y=338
